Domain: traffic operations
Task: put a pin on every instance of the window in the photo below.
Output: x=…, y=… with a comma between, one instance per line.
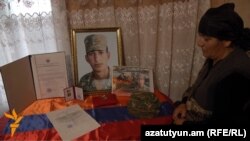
x=26, y=27
x=26, y=6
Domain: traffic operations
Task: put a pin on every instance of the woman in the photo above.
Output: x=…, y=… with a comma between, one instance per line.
x=221, y=93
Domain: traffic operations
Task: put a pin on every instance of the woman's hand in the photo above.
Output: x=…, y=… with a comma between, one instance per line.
x=179, y=115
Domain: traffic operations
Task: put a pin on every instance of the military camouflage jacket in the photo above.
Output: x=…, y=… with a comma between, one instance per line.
x=88, y=83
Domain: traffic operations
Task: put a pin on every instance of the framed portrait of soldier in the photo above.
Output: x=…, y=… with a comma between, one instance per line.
x=94, y=52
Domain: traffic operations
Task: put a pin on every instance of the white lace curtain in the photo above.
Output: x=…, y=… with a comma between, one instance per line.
x=31, y=27
x=158, y=34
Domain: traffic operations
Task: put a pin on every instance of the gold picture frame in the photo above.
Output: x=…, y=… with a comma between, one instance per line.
x=114, y=42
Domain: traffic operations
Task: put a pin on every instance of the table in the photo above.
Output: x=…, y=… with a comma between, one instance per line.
x=116, y=123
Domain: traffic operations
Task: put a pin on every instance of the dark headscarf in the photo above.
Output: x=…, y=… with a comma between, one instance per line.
x=225, y=24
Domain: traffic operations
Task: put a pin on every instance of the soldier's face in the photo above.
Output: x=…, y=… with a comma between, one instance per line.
x=141, y=81
x=98, y=59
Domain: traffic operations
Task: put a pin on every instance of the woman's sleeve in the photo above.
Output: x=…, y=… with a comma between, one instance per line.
x=232, y=100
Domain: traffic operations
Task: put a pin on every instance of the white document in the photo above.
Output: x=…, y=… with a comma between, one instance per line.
x=72, y=122
x=50, y=74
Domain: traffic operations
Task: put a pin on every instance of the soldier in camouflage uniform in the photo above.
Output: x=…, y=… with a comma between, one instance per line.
x=141, y=85
x=97, y=55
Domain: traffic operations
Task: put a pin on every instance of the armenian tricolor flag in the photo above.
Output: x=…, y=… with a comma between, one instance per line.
x=116, y=122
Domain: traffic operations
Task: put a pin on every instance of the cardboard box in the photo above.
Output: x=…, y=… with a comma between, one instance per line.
x=34, y=77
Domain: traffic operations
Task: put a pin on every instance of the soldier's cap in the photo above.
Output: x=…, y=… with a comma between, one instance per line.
x=95, y=42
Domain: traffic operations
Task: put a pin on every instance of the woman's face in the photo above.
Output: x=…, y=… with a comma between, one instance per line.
x=212, y=47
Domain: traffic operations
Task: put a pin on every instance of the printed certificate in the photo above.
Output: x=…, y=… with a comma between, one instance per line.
x=72, y=122
x=50, y=74
x=34, y=77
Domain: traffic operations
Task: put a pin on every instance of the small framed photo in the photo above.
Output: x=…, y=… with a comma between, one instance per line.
x=69, y=94
x=130, y=79
x=73, y=92
x=95, y=51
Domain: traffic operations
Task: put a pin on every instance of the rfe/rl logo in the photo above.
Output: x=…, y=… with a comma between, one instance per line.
x=16, y=122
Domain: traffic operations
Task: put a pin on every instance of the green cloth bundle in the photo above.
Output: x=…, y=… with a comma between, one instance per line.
x=143, y=105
